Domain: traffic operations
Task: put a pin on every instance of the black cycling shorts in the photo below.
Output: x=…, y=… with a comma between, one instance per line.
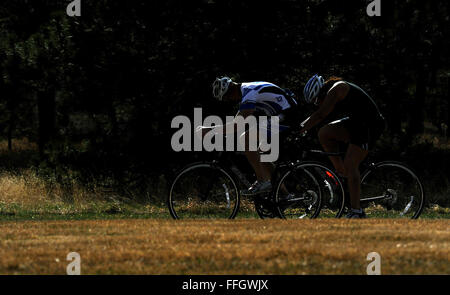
x=363, y=134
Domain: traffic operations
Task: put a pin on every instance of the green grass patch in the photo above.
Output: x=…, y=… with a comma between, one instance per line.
x=118, y=210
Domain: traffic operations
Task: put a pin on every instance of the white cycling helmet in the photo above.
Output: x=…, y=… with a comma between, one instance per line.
x=220, y=87
x=312, y=88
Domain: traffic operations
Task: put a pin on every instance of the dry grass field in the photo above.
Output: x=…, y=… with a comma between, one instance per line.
x=251, y=246
x=39, y=227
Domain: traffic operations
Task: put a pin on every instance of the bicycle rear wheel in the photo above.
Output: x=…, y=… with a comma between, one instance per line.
x=298, y=193
x=203, y=190
x=391, y=189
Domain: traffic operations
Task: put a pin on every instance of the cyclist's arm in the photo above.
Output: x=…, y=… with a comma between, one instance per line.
x=335, y=94
x=229, y=127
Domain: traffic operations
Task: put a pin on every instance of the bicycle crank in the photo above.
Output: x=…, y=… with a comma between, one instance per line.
x=390, y=198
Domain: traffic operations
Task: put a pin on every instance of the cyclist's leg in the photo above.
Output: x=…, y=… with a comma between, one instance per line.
x=354, y=156
x=283, y=130
x=262, y=172
x=330, y=136
x=266, y=135
x=356, y=152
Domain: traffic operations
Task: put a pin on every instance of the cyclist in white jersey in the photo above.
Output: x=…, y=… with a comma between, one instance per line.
x=263, y=97
x=256, y=99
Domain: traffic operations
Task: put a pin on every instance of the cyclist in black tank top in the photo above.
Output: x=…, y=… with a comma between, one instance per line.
x=351, y=116
x=360, y=115
x=357, y=104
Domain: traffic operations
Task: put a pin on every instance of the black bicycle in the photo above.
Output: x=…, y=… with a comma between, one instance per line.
x=211, y=189
x=302, y=189
x=388, y=189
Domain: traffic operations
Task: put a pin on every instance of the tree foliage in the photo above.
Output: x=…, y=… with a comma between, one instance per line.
x=98, y=92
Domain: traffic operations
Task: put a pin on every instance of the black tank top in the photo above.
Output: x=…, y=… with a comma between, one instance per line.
x=357, y=105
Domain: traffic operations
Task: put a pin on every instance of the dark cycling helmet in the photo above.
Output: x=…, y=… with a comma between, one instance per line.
x=312, y=88
x=220, y=87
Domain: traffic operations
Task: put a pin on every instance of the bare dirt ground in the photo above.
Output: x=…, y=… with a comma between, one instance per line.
x=152, y=246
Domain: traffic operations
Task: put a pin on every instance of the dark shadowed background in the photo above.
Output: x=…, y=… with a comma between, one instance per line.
x=95, y=94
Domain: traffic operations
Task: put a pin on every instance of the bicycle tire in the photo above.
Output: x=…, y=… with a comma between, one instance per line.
x=308, y=195
x=387, y=185
x=175, y=195
x=333, y=185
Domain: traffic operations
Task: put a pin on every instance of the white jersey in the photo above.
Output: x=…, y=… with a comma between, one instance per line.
x=264, y=97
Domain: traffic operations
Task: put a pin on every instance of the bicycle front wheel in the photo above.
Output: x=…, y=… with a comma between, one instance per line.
x=391, y=189
x=203, y=190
